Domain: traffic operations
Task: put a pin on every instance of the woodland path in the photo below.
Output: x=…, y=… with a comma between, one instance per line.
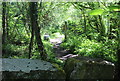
x=60, y=53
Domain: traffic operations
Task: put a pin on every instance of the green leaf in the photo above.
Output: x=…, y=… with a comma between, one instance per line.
x=96, y=12
x=114, y=8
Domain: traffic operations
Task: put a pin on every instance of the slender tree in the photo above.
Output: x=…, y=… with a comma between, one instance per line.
x=4, y=25
x=34, y=25
x=117, y=76
x=65, y=30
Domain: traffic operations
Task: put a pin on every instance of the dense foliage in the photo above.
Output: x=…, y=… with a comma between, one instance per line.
x=89, y=29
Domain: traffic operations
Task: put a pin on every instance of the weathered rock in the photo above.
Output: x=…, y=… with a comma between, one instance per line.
x=30, y=69
x=68, y=56
x=88, y=68
x=46, y=37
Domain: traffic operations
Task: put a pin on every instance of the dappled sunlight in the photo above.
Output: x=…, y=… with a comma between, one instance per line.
x=79, y=39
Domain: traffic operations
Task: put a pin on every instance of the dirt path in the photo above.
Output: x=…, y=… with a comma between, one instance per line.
x=60, y=53
x=56, y=46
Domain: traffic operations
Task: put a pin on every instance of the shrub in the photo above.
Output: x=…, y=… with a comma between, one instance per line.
x=86, y=47
x=94, y=49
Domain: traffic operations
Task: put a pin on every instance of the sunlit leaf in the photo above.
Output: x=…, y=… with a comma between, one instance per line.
x=96, y=12
x=114, y=8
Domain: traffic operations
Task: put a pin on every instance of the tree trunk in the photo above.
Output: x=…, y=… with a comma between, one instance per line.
x=34, y=24
x=7, y=21
x=85, y=26
x=117, y=69
x=117, y=75
x=102, y=28
x=65, y=31
x=31, y=42
x=4, y=35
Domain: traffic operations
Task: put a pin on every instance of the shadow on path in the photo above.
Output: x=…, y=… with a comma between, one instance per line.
x=60, y=53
